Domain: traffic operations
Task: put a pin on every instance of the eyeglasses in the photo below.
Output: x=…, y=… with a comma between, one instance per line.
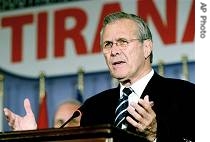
x=121, y=43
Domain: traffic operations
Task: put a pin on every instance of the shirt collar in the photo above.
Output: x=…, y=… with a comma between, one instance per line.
x=139, y=85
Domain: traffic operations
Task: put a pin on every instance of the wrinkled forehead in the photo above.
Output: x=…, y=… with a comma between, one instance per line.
x=120, y=28
x=128, y=23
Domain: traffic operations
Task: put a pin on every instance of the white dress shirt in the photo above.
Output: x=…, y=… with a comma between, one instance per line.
x=138, y=87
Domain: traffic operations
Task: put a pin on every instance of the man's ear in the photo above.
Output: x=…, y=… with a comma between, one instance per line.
x=148, y=46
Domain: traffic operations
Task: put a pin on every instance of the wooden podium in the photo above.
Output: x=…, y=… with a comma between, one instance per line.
x=102, y=133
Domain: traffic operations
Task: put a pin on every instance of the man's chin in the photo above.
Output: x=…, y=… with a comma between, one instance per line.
x=117, y=76
x=122, y=79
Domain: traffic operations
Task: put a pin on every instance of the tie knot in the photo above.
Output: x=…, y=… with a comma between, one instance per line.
x=127, y=91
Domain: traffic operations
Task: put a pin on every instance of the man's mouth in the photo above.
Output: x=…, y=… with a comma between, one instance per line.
x=118, y=63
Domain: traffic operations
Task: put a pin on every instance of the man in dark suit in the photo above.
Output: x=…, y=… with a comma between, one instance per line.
x=173, y=104
x=160, y=109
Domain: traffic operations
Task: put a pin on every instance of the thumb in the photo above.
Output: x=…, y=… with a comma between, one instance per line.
x=146, y=98
x=27, y=107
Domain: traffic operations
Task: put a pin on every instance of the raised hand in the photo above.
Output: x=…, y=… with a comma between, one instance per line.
x=18, y=123
x=144, y=117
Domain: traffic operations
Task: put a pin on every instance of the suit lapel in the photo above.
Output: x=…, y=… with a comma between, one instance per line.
x=151, y=87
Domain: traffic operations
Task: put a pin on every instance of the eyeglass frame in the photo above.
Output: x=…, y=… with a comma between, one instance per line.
x=120, y=43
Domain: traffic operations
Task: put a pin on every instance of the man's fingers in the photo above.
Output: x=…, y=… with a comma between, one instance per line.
x=10, y=117
x=146, y=98
x=146, y=104
x=8, y=114
x=27, y=107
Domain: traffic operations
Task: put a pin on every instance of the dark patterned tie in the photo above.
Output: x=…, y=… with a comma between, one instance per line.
x=121, y=110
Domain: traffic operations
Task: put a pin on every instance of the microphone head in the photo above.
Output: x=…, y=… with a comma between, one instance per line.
x=75, y=114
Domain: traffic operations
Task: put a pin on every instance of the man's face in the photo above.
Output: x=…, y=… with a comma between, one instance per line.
x=64, y=112
x=125, y=63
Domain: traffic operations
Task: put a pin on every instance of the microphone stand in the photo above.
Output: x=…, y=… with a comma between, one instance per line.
x=75, y=114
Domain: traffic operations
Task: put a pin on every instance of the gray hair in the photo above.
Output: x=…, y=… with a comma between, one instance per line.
x=144, y=32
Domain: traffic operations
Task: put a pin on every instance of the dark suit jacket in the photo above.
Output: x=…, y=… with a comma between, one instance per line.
x=174, y=105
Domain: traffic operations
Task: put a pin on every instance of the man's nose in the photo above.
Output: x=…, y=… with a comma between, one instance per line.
x=115, y=49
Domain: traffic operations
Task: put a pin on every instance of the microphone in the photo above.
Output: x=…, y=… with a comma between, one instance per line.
x=75, y=114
